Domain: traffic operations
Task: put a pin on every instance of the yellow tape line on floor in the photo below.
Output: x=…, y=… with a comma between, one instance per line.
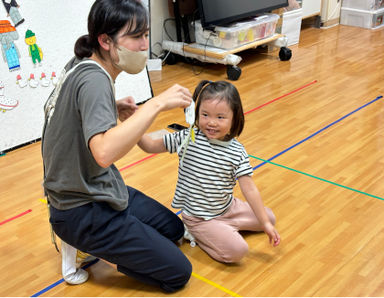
x=233, y=294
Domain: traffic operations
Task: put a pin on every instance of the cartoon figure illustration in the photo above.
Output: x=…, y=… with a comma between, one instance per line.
x=54, y=79
x=34, y=51
x=9, y=50
x=32, y=81
x=44, y=80
x=6, y=104
x=20, y=81
x=11, y=7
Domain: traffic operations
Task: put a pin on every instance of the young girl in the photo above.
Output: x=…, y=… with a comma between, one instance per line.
x=213, y=161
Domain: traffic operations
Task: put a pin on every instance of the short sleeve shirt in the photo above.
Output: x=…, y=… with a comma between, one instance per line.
x=85, y=107
x=208, y=174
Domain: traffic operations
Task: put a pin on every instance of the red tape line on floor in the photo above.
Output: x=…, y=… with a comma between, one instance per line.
x=17, y=216
x=135, y=163
x=273, y=100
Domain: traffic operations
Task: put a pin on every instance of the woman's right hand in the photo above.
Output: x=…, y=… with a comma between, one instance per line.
x=174, y=97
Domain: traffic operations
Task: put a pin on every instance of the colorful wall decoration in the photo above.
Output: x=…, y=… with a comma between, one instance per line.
x=36, y=41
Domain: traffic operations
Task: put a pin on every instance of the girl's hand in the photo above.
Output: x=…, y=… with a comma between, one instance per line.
x=274, y=237
x=126, y=107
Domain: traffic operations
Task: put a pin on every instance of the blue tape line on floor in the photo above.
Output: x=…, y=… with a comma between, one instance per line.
x=317, y=132
x=62, y=280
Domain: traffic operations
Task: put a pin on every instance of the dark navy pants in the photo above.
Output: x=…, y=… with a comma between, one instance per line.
x=140, y=239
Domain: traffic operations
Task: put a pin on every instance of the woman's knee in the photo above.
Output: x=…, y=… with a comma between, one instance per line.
x=179, y=278
x=170, y=277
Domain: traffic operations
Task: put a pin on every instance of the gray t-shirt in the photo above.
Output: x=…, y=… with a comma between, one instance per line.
x=85, y=107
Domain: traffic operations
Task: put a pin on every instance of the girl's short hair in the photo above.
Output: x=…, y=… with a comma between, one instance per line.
x=221, y=90
x=109, y=17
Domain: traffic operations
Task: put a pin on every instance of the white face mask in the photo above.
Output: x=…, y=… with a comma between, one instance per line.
x=130, y=61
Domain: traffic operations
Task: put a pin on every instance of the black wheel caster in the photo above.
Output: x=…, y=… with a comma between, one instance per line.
x=233, y=72
x=171, y=59
x=285, y=54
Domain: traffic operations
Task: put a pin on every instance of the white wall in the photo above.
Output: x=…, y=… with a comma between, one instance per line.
x=330, y=10
x=159, y=13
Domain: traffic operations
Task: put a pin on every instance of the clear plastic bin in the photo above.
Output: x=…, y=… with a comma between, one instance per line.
x=372, y=19
x=363, y=4
x=237, y=34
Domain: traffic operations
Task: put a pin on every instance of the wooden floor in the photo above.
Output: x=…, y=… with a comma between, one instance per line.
x=315, y=134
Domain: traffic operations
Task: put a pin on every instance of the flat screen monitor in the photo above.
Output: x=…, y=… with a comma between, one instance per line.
x=221, y=12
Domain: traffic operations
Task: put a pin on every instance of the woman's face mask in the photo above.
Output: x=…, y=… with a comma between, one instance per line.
x=130, y=61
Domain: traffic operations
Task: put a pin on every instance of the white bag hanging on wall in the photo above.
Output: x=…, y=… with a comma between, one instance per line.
x=291, y=25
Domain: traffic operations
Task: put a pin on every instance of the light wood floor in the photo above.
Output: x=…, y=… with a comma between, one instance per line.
x=324, y=180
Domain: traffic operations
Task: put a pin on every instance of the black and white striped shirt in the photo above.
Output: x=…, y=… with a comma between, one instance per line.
x=208, y=174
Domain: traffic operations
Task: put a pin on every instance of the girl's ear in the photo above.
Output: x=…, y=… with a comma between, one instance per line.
x=104, y=41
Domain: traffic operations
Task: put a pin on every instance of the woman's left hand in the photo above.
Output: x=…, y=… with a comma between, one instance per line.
x=126, y=107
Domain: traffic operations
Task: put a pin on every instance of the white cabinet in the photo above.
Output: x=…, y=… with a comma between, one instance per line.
x=311, y=8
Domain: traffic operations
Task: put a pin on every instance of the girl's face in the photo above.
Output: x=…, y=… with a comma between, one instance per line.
x=215, y=118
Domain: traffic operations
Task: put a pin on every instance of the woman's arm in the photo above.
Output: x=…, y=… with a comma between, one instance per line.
x=113, y=144
x=253, y=197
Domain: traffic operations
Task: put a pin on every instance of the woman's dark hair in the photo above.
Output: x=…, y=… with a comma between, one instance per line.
x=221, y=90
x=109, y=17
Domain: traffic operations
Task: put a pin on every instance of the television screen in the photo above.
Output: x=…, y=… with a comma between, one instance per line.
x=221, y=12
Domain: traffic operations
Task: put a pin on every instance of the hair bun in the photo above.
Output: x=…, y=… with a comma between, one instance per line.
x=83, y=48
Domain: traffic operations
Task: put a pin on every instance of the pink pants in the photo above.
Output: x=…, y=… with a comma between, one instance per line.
x=219, y=237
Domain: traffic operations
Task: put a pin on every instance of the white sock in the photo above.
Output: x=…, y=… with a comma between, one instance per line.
x=70, y=272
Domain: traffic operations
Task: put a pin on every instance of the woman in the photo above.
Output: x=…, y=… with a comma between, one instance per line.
x=91, y=208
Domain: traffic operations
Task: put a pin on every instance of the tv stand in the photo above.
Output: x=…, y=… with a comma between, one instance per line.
x=221, y=53
x=227, y=57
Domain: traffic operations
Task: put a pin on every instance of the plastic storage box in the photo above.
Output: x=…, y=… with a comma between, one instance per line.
x=237, y=34
x=363, y=4
x=372, y=19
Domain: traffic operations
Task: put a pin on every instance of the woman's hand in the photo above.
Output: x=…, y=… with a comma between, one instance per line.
x=174, y=97
x=126, y=107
